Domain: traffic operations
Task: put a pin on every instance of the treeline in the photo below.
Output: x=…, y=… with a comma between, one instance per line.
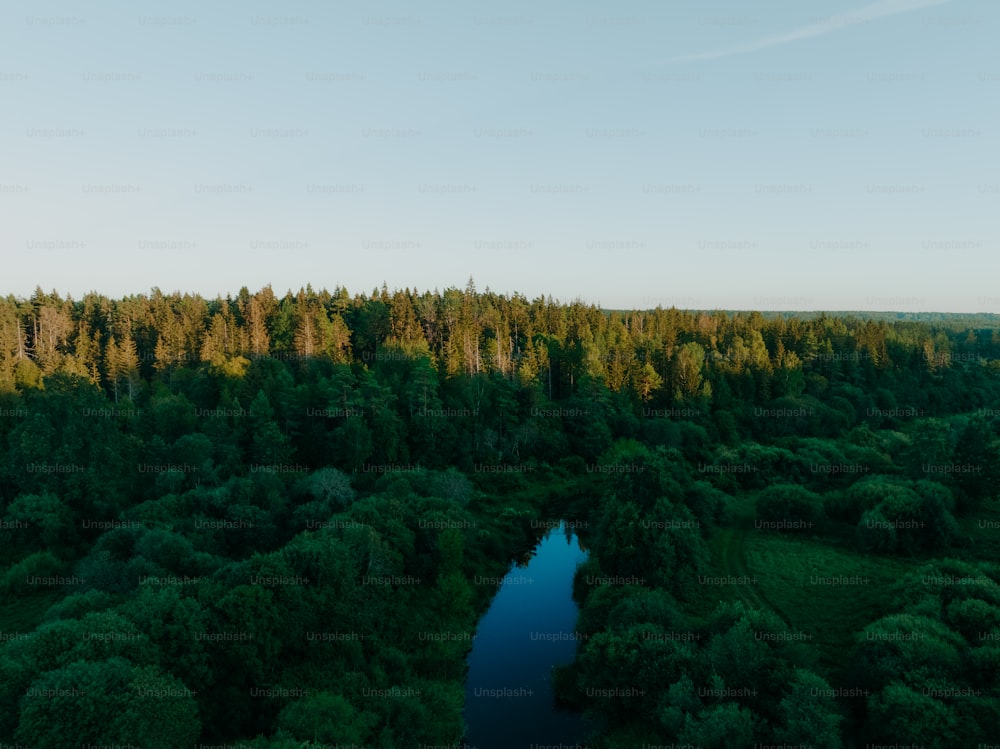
x=953, y=320
x=657, y=355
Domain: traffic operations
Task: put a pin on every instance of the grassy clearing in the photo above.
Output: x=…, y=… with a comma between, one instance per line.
x=728, y=560
x=795, y=574
x=793, y=577
x=724, y=544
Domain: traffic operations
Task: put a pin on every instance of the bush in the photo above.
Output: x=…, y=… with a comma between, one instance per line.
x=908, y=519
x=18, y=580
x=790, y=503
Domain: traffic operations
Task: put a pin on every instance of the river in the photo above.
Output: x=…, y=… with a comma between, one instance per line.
x=528, y=629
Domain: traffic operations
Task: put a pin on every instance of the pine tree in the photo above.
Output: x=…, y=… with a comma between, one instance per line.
x=121, y=363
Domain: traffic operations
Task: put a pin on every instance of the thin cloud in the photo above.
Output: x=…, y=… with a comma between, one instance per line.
x=826, y=26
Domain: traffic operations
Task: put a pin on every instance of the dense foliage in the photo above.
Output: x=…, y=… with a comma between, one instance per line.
x=239, y=519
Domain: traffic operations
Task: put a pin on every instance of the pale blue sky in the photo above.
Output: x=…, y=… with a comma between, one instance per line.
x=780, y=155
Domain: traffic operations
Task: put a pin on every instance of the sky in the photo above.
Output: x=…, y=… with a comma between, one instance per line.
x=835, y=154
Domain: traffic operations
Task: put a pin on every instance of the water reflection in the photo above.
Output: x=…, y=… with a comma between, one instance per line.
x=528, y=629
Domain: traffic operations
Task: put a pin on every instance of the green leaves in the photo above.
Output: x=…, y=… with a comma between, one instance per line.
x=789, y=506
x=36, y=522
x=723, y=726
x=107, y=702
x=902, y=517
x=979, y=450
x=325, y=718
x=686, y=371
x=902, y=714
x=809, y=713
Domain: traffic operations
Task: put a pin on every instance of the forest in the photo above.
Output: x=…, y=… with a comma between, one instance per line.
x=263, y=521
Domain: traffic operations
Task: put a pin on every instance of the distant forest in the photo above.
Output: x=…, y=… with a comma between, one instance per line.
x=947, y=319
x=196, y=496
x=666, y=355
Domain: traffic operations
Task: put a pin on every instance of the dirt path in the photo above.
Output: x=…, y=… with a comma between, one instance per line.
x=732, y=561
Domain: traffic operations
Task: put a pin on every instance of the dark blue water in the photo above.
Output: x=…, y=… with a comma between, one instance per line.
x=528, y=629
